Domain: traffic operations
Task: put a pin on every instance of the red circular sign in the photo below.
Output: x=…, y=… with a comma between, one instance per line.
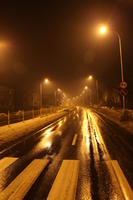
x=123, y=92
x=123, y=85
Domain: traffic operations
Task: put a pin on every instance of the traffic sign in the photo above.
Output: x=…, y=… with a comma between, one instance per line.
x=123, y=85
x=123, y=92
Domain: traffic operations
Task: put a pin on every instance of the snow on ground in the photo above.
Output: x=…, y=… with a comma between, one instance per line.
x=22, y=129
x=115, y=115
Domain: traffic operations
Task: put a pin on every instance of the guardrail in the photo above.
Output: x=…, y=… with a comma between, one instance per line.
x=21, y=115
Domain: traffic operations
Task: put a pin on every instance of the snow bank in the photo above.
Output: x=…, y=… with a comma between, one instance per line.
x=115, y=116
x=9, y=134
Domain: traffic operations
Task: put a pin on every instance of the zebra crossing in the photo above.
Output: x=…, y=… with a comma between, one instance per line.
x=6, y=161
x=65, y=184
x=19, y=187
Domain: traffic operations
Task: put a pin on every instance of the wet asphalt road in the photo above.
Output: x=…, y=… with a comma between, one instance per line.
x=55, y=143
x=119, y=142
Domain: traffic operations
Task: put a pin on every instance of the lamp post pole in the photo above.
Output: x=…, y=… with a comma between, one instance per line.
x=97, y=92
x=96, y=85
x=55, y=96
x=122, y=71
x=45, y=81
x=40, y=98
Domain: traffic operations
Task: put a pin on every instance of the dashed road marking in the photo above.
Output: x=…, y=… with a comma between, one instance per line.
x=6, y=161
x=74, y=139
x=65, y=184
x=19, y=187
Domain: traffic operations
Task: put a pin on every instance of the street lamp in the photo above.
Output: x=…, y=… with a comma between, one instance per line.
x=90, y=77
x=45, y=81
x=86, y=87
x=102, y=31
x=58, y=92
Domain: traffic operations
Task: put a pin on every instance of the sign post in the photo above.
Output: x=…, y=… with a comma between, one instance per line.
x=123, y=92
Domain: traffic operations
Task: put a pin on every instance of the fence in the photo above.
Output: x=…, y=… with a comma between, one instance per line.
x=21, y=115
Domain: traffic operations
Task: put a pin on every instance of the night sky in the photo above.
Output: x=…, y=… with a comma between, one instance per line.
x=57, y=39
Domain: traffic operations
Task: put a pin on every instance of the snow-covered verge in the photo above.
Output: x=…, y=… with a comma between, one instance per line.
x=9, y=134
x=115, y=116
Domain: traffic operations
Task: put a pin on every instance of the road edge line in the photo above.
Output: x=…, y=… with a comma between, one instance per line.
x=122, y=180
x=74, y=139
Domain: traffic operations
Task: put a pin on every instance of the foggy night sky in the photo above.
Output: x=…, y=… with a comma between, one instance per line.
x=56, y=39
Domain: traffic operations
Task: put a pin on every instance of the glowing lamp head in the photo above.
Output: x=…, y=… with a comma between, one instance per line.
x=103, y=30
x=59, y=90
x=46, y=81
x=90, y=77
x=86, y=88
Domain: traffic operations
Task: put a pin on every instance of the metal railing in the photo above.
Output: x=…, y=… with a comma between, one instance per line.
x=21, y=115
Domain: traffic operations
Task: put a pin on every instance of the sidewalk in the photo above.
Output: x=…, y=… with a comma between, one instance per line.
x=10, y=134
x=115, y=116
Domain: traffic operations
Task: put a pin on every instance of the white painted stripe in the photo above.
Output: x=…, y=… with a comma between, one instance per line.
x=19, y=187
x=6, y=161
x=124, y=185
x=98, y=133
x=95, y=147
x=116, y=190
x=64, y=186
x=74, y=139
